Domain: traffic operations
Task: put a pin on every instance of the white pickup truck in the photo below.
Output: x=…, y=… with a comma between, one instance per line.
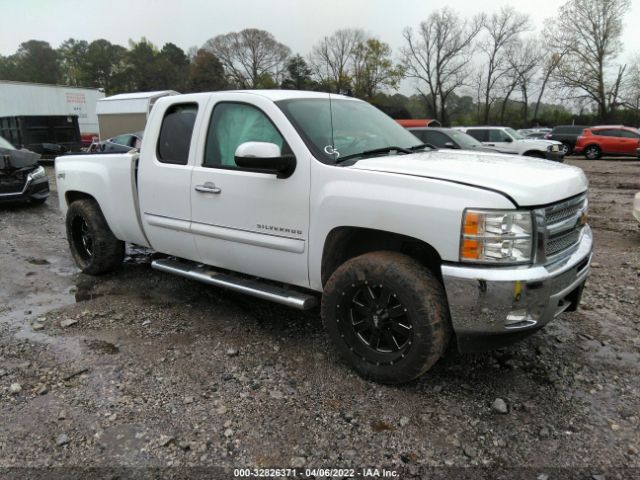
x=296, y=196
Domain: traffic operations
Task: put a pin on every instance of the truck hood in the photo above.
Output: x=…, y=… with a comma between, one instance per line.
x=528, y=181
x=14, y=159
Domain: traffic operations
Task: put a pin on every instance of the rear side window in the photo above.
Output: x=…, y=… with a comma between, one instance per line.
x=607, y=132
x=175, y=133
x=479, y=134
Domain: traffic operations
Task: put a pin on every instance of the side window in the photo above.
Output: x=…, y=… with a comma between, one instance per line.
x=231, y=125
x=498, y=136
x=606, y=133
x=120, y=140
x=437, y=139
x=628, y=134
x=479, y=134
x=175, y=133
x=421, y=134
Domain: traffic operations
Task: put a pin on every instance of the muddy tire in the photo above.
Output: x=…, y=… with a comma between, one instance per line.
x=92, y=244
x=387, y=315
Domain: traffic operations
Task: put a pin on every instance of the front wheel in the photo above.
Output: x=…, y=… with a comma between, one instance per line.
x=566, y=149
x=387, y=315
x=93, y=246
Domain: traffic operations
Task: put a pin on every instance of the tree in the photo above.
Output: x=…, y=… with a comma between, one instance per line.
x=143, y=66
x=631, y=91
x=206, y=73
x=35, y=61
x=105, y=66
x=439, y=55
x=523, y=62
x=298, y=75
x=502, y=30
x=590, y=32
x=173, y=68
x=71, y=56
x=373, y=68
x=330, y=59
x=249, y=56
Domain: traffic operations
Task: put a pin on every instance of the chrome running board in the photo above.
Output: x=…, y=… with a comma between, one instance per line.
x=266, y=291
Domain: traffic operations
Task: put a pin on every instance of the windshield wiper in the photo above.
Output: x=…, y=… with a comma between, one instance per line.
x=375, y=151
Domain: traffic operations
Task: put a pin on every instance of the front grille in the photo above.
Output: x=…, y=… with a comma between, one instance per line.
x=560, y=243
x=13, y=183
x=563, y=226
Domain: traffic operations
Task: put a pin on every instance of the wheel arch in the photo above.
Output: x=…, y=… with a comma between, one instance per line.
x=71, y=196
x=346, y=242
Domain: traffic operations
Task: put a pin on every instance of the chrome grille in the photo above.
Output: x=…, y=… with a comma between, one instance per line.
x=560, y=243
x=562, y=226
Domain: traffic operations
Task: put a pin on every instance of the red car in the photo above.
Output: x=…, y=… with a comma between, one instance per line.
x=608, y=140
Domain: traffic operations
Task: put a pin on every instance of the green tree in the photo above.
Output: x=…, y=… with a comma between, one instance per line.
x=143, y=65
x=373, y=68
x=172, y=68
x=71, y=56
x=206, y=73
x=105, y=66
x=298, y=75
x=35, y=61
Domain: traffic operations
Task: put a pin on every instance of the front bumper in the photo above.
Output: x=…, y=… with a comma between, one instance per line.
x=555, y=156
x=492, y=306
x=37, y=189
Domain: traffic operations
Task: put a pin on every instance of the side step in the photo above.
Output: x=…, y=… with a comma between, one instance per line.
x=266, y=291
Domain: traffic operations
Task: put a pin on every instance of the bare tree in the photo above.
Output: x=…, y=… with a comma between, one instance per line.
x=438, y=56
x=502, y=30
x=330, y=59
x=631, y=89
x=523, y=62
x=551, y=59
x=251, y=58
x=590, y=31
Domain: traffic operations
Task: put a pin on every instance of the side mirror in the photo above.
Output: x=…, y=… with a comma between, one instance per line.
x=265, y=157
x=450, y=145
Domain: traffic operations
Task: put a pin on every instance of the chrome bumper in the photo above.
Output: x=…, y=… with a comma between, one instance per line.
x=491, y=307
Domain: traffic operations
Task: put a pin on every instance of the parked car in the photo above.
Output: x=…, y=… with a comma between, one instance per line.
x=610, y=140
x=568, y=135
x=448, y=138
x=119, y=144
x=293, y=196
x=535, y=135
x=636, y=206
x=21, y=177
x=507, y=140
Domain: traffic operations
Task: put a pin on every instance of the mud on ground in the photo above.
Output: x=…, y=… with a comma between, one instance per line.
x=158, y=371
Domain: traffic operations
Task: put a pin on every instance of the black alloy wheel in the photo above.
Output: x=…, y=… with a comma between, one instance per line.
x=374, y=322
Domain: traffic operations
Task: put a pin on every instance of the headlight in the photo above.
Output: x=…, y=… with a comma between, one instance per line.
x=496, y=236
x=38, y=173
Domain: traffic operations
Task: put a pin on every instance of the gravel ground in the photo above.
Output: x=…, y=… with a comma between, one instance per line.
x=143, y=369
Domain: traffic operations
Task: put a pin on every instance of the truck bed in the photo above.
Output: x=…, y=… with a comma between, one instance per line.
x=112, y=181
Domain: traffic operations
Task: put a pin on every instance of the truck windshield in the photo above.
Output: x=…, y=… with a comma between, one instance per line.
x=5, y=144
x=515, y=135
x=344, y=128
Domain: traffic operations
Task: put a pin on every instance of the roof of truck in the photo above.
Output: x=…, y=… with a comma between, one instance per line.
x=276, y=95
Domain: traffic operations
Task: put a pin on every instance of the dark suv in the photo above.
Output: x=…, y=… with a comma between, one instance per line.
x=567, y=134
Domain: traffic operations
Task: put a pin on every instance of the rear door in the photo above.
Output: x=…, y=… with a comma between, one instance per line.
x=246, y=220
x=164, y=177
x=609, y=140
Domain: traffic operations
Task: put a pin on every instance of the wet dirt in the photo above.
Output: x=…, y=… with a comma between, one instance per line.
x=134, y=368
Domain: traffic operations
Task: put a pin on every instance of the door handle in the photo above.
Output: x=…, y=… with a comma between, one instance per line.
x=208, y=187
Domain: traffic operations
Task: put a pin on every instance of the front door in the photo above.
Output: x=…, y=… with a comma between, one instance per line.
x=246, y=220
x=501, y=141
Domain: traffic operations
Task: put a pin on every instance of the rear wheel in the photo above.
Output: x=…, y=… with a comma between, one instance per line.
x=387, y=315
x=93, y=246
x=592, y=152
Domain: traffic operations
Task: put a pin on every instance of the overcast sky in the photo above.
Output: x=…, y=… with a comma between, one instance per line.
x=296, y=23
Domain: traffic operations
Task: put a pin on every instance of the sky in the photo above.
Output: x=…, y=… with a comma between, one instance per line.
x=298, y=24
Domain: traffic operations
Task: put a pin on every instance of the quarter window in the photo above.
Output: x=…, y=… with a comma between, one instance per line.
x=233, y=124
x=175, y=133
